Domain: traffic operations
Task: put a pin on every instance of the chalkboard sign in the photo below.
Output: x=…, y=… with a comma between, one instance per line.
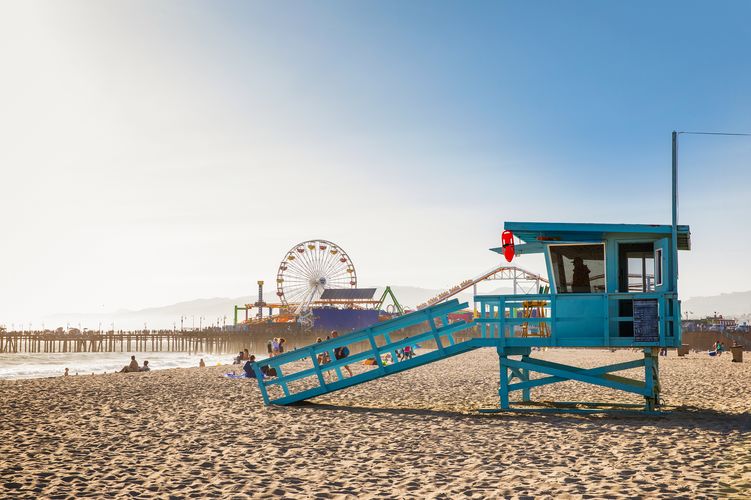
x=646, y=323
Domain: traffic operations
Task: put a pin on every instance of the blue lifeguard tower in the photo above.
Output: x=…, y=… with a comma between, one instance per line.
x=611, y=286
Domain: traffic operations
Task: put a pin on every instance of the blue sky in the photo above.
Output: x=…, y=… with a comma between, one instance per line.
x=163, y=151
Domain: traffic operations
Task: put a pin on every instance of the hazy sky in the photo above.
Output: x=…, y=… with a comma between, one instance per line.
x=152, y=152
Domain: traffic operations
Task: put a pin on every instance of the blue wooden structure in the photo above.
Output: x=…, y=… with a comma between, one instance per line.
x=611, y=286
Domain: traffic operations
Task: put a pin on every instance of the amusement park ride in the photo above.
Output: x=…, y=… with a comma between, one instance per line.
x=611, y=286
x=315, y=274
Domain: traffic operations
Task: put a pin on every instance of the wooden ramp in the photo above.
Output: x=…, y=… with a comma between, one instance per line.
x=306, y=373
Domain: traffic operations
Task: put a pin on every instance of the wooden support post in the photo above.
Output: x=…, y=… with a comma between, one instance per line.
x=437, y=338
x=503, y=369
x=525, y=378
x=376, y=352
x=652, y=378
x=394, y=353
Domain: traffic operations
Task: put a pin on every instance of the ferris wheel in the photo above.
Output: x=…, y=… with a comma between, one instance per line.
x=311, y=267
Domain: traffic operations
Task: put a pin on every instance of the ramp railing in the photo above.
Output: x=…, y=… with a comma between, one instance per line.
x=315, y=370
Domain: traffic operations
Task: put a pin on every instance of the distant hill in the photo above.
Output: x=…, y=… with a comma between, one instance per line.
x=212, y=310
x=220, y=309
x=735, y=304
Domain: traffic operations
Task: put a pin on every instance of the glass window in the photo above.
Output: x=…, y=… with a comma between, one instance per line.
x=578, y=268
x=636, y=268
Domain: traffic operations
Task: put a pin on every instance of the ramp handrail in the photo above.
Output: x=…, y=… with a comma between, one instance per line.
x=380, y=343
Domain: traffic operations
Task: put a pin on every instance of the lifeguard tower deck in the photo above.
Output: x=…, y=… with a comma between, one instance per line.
x=612, y=286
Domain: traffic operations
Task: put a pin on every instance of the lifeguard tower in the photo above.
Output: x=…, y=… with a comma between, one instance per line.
x=611, y=286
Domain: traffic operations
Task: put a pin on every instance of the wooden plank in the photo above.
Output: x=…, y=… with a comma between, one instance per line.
x=574, y=373
x=592, y=371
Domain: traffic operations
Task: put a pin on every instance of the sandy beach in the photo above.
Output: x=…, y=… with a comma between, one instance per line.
x=193, y=433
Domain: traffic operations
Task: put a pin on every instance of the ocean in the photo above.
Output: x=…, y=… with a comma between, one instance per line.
x=37, y=365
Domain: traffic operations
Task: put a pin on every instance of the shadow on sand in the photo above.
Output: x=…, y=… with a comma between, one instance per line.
x=683, y=417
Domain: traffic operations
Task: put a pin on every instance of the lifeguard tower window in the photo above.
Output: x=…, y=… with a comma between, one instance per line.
x=658, y=267
x=578, y=268
x=636, y=267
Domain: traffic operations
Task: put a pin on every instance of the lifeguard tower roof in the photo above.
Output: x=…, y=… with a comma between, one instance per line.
x=533, y=234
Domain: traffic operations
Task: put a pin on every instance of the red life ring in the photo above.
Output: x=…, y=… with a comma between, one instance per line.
x=507, y=243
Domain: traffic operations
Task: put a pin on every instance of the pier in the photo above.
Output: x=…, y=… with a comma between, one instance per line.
x=211, y=340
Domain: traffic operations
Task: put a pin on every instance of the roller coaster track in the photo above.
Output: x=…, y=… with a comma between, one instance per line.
x=494, y=273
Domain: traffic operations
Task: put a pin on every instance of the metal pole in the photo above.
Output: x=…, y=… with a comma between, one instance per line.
x=675, y=208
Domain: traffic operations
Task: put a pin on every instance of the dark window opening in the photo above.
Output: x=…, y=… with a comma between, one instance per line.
x=578, y=268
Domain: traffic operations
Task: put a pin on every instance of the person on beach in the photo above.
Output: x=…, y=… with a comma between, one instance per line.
x=248, y=367
x=268, y=371
x=145, y=367
x=323, y=357
x=132, y=367
x=269, y=348
x=238, y=359
x=408, y=352
x=319, y=358
x=246, y=354
x=341, y=352
x=282, y=341
x=66, y=373
x=201, y=364
x=275, y=347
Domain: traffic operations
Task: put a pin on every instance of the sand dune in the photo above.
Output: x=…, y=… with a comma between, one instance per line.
x=193, y=433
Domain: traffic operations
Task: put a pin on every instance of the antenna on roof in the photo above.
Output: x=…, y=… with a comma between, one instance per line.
x=675, y=204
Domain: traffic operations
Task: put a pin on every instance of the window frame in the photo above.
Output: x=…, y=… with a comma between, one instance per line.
x=554, y=278
x=658, y=262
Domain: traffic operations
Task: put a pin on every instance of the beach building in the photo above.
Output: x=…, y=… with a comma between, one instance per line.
x=718, y=321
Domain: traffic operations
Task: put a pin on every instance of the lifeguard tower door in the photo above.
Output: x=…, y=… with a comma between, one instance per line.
x=636, y=275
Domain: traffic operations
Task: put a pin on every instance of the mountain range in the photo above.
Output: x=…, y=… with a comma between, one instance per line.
x=734, y=304
x=220, y=310
x=213, y=311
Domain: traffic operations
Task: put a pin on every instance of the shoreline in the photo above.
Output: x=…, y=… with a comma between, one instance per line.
x=40, y=365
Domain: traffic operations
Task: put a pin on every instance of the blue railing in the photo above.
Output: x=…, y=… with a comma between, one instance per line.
x=314, y=370
x=582, y=320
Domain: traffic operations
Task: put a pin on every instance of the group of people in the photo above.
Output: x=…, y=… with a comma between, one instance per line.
x=275, y=347
x=244, y=355
x=266, y=370
x=134, y=368
x=407, y=353
x=339, y=352
x=718, y=347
